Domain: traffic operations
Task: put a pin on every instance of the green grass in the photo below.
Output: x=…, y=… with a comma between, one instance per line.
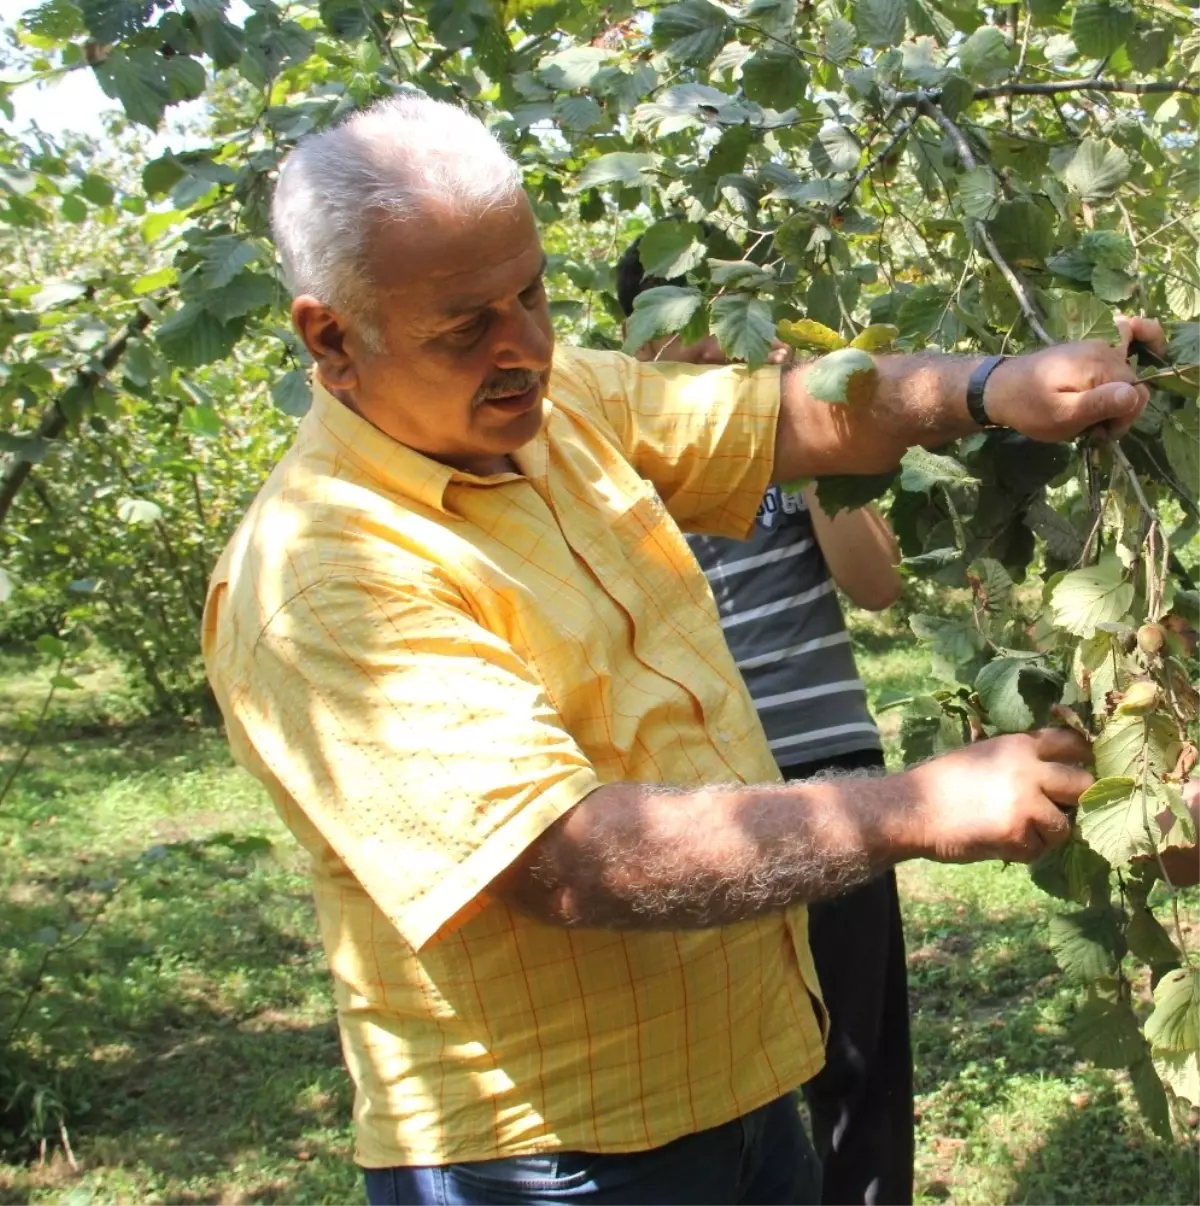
x=190, y=1031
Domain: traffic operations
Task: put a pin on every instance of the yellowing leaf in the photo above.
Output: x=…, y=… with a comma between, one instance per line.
x=807, y=334
x=876, y=337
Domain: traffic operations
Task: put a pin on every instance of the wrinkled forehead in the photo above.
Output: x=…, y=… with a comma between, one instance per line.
x=446, y=252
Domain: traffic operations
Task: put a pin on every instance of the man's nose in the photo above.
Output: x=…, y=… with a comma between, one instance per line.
x=525, y=340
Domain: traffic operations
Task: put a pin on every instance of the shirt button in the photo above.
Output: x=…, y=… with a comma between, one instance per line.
x=722, y=735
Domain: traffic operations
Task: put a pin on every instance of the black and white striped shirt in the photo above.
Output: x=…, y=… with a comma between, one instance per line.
x=784, y=625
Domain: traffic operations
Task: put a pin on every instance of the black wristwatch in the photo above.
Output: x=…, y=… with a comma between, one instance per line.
x=975, y=388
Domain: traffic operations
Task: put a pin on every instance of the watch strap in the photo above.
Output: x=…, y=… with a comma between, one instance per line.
x=975, y=388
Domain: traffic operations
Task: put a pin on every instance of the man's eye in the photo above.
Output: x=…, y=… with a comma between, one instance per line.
x=468, y=331
x=534, y=292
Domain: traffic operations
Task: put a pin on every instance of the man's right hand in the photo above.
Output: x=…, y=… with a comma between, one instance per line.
x=1002, y=798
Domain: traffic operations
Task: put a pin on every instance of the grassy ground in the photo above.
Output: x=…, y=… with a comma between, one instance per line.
x=189, y=1032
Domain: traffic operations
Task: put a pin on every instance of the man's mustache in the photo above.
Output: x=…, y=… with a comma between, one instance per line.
x=507, y=383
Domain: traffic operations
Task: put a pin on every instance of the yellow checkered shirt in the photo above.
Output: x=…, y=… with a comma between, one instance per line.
x=426, y=669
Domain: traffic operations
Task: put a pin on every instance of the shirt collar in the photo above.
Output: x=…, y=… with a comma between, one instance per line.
x=398, y=468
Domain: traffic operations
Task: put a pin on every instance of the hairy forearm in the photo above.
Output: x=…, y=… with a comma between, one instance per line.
x=917, y=399
x=634, y=856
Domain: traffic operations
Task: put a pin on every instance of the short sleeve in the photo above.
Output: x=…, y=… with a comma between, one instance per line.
x=705, y=436
x=415, y=741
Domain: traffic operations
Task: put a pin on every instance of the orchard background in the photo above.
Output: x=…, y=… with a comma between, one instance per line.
x=885, y=173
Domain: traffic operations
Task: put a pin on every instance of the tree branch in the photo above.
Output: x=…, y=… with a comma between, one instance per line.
x=1050, y=88
x=54, y=421
x=1014, y=282
x=876, y=159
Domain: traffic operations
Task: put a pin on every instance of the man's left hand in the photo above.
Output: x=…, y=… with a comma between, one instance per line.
x=1062, y=391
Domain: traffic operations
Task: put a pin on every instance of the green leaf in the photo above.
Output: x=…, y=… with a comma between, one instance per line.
x=774, y=78
x=660, y=311
x=691, y=32
x=223, y=42
x=200, y=421
x=1128, y=742
x=1149, y=942
x=1151, y=1097
x=1096, y=170
x=348, y=19
x=1181, y=443
x=1064, y=542
x=1106, y=249
x=56, y=293
x=137, y=80
x=1099, y=29
x=50, y=646
x=151, y=281
x=1149, y=47
x=845, y=376
x=1112, y=286
x=880, y=23
x=1075, y=316
x=1017, y=692
x=840, y=40
x=958, y=94
x=808, y=335
x=292, y=393
x=1174, y=1026
x=1106, y=1033
x=740, y=274
x=161, y=175
x=979, y=193
x=1087, y=597
x=1087, y=944
x=1023, y=233
x=97, y=190
x=617, y=167
x=138, y=510
x=578, y=113
x=575, y=68
x=921, y=470
x=1181, y=1074
x=1072, y=871
x=843, y=492
x=986, y=56
x=186, y=78
x=991, y=584
x=744, y=327
x=192, y=337
x=73, y=208
x=955, y=642
x=1113, y=818
x=834, y=150
x=223, y=258
x=248, y=291
x=1184, y=343
x=672, y=249
x=793, y=238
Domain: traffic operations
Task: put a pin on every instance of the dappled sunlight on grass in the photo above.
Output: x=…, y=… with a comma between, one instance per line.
x=191, y=1033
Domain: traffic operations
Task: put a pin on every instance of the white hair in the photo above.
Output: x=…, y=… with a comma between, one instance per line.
x=384, y=163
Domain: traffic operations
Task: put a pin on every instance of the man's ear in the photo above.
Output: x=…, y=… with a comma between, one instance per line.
x=327, y=338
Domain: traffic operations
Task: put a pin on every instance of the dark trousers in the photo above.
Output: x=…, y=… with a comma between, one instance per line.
x=762, y=1159
x=861, y=1102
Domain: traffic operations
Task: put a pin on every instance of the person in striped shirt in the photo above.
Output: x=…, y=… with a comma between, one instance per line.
x=780, y=614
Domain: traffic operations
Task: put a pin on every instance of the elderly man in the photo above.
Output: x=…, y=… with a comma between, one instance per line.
x=461, y=640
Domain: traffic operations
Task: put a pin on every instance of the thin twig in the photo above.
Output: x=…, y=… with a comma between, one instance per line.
x=985, y=237
x=1052, y=88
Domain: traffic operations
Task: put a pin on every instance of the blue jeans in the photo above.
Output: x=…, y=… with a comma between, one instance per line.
x=763, y=1158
